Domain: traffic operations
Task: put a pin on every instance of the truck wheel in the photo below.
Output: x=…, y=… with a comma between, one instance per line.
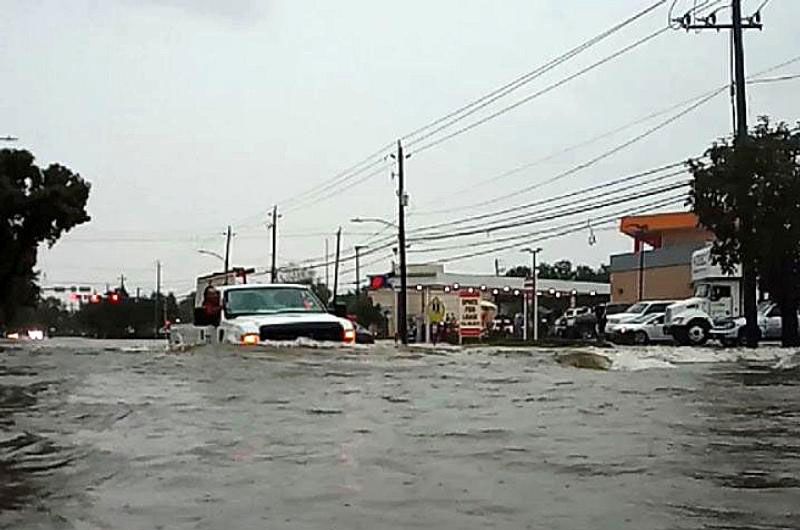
x=640, y=338
x=697, y=332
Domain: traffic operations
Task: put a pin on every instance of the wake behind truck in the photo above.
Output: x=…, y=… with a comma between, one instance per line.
x=716, y=296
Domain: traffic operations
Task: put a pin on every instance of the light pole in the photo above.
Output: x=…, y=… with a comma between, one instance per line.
x=639, y=247
x=211, y=253
x=374, y=220
x=533, y=252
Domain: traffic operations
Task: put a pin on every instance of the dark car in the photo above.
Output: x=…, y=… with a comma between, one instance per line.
x=363, y=335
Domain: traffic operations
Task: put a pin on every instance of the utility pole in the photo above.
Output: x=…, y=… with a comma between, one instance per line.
x=336, y=264
x=157, y=300
x=402, y=316
x=122, y=282
x=227, y=253
x=327, y=268
x=358, y=269
x=737, y=25
x=274, y=226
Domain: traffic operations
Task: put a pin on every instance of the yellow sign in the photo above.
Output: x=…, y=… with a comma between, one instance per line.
x=436, y=310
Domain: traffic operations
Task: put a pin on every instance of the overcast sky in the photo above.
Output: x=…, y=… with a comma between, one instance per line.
x=189, y=115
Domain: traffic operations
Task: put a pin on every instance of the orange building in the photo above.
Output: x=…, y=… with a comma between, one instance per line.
x=662, y=271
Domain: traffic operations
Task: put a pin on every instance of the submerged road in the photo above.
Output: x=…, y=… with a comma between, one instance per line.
x=97, y=435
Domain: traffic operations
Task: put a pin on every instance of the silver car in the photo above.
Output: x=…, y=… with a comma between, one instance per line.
x=641, y=330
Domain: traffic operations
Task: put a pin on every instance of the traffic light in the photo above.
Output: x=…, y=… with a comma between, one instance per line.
x=378, y=282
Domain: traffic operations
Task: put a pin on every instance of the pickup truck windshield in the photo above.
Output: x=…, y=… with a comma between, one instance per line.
x=271, y=300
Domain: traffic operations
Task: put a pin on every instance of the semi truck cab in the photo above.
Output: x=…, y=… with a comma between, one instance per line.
x=717, y=296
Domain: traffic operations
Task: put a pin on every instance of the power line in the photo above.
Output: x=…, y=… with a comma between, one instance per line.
x=669, y=202
x=602, y=156
x=623, y=180
x=505, y=226
x=465, y=111
x=583, y=223
x=488, y=99
x=535, y=95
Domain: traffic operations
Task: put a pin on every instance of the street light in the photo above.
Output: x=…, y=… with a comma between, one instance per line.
x=533, y=252
x=211, y=253
x=374, y=220
x=641, y=230
x=402, y=301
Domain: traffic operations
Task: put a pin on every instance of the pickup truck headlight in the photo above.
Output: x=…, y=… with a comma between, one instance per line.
x=251, y=339
x=678, y=320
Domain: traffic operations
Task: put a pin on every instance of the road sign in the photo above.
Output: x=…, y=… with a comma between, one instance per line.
x=436, y=310
x=470, y=315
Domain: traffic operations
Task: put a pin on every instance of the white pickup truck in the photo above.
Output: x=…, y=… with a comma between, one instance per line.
x=249, y=314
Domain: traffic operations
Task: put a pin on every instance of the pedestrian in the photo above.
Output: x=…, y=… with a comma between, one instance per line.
x=600, y=316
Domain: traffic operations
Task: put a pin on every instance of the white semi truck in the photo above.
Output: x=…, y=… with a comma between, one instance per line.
x=716, y=296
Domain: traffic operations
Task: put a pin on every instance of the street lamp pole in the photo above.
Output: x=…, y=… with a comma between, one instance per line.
x=533, y=252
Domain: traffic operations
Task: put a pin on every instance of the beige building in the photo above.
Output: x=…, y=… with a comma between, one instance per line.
x=429, y=282
x=664, y=271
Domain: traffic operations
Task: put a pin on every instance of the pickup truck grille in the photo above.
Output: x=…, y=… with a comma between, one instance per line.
x=322, y=331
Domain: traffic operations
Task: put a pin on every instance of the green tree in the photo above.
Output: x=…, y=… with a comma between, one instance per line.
x=562, y=270
x=36, y=206
x=756, y=184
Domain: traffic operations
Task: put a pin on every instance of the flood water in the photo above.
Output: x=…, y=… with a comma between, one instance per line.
x=97, y=435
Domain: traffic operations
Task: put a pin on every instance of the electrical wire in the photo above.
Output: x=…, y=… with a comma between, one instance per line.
x=666, y=202
x=627, y=180
x=583, y=209
x=539, y=93
x=503, y=91
x=601, y=157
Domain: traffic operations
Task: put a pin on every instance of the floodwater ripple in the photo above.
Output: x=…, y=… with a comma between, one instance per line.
x=117, y=435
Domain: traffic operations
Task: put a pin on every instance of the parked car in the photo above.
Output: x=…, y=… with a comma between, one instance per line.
x=641, y=330
x=645, y=307
x=576, y=322
x=730, y=331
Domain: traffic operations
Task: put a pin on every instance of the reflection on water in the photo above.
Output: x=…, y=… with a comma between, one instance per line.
x=106, y=435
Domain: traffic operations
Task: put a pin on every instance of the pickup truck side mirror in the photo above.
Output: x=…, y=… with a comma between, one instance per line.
x=340, y=309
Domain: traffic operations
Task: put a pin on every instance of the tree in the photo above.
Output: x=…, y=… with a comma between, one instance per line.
x=562, y=270
x=756, y=184
x=36, y=206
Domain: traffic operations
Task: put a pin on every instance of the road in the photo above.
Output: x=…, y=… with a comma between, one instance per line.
x=97, y=435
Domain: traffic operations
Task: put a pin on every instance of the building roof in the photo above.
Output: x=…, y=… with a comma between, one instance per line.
x=442, y=279
x=659, y=222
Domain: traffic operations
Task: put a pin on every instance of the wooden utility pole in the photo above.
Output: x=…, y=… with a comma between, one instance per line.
x=402, y=316
x=157, y=300
x=327, y=267
x=227, y=252
x=336, y=264
x=274, y=226
x=737, y=25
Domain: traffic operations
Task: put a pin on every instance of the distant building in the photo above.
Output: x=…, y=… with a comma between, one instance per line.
x=429, y=281
x=666, y=266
